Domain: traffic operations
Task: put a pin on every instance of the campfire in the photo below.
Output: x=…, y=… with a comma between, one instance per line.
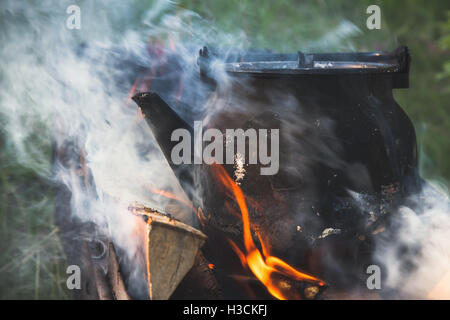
x=347, y=161
x=276, y=275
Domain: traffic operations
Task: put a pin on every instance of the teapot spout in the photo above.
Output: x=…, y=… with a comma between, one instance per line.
x=163, y=120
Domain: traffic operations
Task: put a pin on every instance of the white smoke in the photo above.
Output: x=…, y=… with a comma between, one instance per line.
x=418, y=261
x=65, y=86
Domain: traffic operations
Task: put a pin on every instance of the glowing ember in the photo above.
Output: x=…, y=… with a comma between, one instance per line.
x=147, y=259
x=277, y=276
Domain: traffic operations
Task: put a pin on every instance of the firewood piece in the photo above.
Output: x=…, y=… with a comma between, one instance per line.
x=115, y=277
x=172, y=248
x=201, y=217
x=97, y=276
x=200, y=282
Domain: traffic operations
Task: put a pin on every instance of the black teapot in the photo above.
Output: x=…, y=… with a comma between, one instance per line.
x=347, y=155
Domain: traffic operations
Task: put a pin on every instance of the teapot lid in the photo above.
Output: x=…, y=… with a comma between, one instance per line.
x=268, y=63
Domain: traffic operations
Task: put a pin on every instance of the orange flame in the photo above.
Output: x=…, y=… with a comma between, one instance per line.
x=171, y=195
x=275, y=274
x=132, y=92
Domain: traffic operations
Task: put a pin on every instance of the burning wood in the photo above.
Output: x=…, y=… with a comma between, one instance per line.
x=173, y=258
x=280, y=279
x=171, y=249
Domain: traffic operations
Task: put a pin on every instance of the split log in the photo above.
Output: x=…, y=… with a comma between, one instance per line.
x=172, y=248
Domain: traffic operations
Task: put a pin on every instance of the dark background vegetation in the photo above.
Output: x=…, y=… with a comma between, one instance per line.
x=31, y=259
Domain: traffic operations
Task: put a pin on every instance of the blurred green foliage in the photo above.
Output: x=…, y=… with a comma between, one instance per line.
x=444, y=43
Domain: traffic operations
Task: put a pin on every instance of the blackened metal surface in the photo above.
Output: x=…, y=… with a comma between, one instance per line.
x=350, y=164
x=259, y=63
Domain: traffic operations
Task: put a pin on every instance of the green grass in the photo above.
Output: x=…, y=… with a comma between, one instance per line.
x=31, y=257
x=422, y=25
